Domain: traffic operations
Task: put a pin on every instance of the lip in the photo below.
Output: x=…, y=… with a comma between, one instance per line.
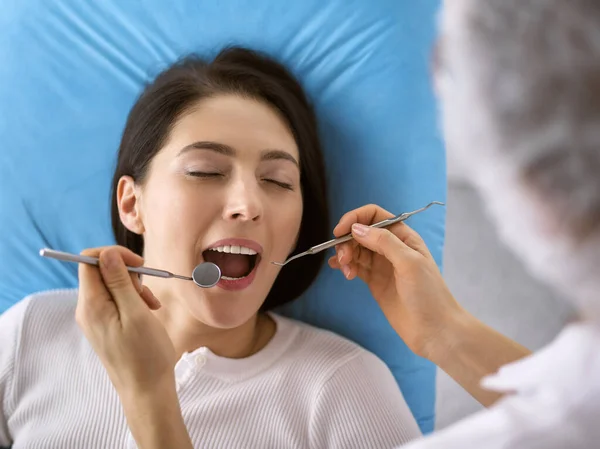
x=245, y=282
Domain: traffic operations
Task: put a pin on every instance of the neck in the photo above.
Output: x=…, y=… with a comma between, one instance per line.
x=188, y=334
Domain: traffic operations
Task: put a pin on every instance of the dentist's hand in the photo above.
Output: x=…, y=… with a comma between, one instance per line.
x=114, y=312
x=401, y=274
x=404, y=279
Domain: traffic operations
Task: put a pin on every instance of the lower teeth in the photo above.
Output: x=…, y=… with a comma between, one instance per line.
x=227, y=278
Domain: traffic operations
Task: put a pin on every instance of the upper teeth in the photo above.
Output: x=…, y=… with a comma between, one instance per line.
x=234, y=249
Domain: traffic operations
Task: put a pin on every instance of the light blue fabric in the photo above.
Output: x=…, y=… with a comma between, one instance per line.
x=70, y=71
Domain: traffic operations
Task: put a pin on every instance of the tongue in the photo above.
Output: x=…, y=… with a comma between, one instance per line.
x=231, y=265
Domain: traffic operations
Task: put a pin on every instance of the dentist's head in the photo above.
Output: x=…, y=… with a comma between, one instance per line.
x=519, y=83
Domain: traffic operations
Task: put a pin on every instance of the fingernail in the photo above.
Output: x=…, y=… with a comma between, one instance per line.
x=158, y=303
x=110, y=260
x=340, y=255
x=346, y=270
x=359, y=229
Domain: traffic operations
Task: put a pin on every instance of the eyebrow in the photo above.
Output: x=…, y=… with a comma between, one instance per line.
x=226, y=150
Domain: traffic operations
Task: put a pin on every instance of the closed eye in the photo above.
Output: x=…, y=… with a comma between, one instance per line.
x=199, y=174
x=283, y=185
x=208, y=175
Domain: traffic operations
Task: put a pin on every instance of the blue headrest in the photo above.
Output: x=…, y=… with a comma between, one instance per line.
x=71, y=70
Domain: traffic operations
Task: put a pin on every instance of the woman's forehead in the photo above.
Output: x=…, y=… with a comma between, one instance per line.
x=240, y=123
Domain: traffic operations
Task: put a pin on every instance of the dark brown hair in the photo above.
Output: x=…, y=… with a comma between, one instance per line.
x=249, y=74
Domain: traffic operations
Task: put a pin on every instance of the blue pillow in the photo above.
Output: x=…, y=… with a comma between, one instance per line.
x=71, y=70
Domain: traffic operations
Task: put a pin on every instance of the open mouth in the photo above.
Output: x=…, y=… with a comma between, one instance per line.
x=236, y=262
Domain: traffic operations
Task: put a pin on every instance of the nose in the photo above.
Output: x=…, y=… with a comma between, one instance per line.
x=243, y=202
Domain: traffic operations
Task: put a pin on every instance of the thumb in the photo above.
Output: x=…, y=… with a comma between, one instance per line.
x=118, y=280
x=382, y=242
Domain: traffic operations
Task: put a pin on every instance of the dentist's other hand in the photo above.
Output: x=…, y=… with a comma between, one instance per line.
x=115, y=313
x=401, y=274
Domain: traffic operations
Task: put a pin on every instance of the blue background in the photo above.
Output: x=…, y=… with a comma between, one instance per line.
x=71, y=70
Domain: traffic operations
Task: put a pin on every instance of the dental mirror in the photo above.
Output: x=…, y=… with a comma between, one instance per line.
x=205, y=275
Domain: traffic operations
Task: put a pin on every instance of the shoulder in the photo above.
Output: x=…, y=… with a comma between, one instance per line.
x=326, y=354
x=353, y=397
x=52, y=304
x=42, y=313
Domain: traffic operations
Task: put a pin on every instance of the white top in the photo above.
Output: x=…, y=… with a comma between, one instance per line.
x=555, y=405
x=308, y=388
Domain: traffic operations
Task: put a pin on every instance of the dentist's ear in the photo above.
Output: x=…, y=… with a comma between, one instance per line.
x=128, y=201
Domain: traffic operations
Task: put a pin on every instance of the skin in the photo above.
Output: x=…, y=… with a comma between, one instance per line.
x=408, y=286
x=402, y=277
x=195, y=196
x=395, y=264
x=116, y=315
x=253, y=192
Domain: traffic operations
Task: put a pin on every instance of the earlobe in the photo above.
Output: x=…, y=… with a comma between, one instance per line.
x=129, y=205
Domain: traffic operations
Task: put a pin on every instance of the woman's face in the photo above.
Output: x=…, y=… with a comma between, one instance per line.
x=225, y=188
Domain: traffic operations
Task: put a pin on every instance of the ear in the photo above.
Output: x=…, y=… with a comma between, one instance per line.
x=128, y=201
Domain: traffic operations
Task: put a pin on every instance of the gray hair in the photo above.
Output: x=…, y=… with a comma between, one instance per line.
x=520, y=85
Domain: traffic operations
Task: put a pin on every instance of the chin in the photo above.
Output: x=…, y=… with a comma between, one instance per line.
x=222, y=309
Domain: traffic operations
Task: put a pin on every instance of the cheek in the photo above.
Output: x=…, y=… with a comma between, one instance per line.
x=289, y=219
x=175, y=211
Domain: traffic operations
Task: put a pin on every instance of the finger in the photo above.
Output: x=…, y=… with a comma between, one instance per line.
x=346, y=270
x=345, y=252
x=91, y=276
x=353, y=252
x=118, y=281
x=363, y=273
x=366, y=215
x=93, y=294
x=94, y=297
x=352, y=271
x=129, y=257
x=361, y=268
x=334, y=263
x=383, y=242
x=133, y=260
x=149, y=298
x=363, y=256
x=410, y=238
x=137, y=283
